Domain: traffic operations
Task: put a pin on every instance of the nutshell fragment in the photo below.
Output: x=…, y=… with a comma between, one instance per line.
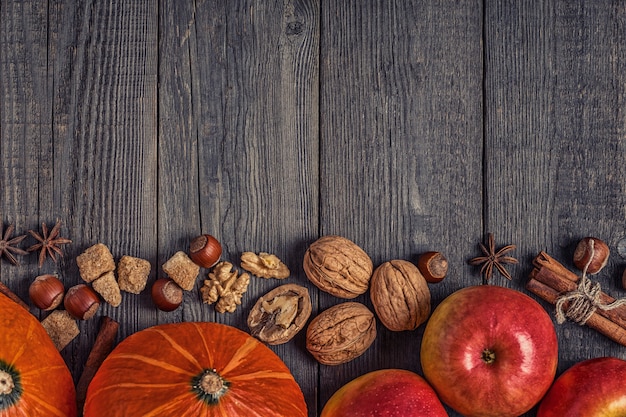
x=280, y=314
x=264, y=265
x=224, y=287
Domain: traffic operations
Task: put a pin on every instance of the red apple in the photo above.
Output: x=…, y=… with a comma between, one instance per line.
x=386, y=392
x=489, y=351
x=591, y=388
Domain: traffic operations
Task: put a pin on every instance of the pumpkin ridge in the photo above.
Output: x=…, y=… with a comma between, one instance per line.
x=36, y=372
x=171, y=405
x=178, y=348
x=240, y=355
x=154, y=362
x=209, y=356
x=22, y=349
x=27, y=397
x=262, y=374
x=253, y=412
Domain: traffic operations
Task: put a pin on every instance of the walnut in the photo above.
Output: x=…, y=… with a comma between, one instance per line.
x=338, y=266
x=280, y=314
x=400, y=295
x=341, y=333
x=264, y=265
x=224, y=286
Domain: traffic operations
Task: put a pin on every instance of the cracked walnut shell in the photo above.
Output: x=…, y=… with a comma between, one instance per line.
x=341, y=333
x=400, y=295
x=264, y=265
x=338, y=266
x=224, y=287
x=280, y=314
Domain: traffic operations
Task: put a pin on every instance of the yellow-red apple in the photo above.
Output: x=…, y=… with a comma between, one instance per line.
x=386, y=392
x=591, y=388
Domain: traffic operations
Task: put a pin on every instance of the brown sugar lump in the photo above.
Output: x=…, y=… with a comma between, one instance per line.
x=94, y=262
x=108, y=289
x=182, y=270
x=61, y=327
x=132, y=274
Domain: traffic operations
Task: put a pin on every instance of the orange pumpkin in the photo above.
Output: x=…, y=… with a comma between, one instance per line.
x=193, y=369
x=34, y=380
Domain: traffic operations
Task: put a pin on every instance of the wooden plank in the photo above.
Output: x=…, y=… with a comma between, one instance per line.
x=401, y=147
x=555, y=130
x=179, y=206
x=104, y=69
x=239, y=142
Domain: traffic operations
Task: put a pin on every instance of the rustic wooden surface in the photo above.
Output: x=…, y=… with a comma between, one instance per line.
x=405, y=126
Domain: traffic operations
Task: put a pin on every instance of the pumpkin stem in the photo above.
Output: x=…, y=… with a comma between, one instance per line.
x=209, y=386
x=6, y=383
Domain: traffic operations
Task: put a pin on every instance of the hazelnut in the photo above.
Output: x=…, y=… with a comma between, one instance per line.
x=592, y=253
x=81, y=301
x=205, y=251
x=46, y=292
x=433, y=266
x=166, y=294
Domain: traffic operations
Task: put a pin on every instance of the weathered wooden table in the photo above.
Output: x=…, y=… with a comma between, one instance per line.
x=405, y=126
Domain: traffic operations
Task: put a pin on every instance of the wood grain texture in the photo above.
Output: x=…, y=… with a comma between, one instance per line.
x=26, y=175
x=401, y=147
x=555, y=139
x=79, y=137
x=405, y=126
x=239, y=142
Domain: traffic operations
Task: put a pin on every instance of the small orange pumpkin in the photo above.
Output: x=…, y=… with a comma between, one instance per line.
x=34, y=379
x=193, y=369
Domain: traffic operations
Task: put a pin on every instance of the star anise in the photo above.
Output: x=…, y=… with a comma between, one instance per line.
x=48, y=242
x=493, y=259
x=7, y=245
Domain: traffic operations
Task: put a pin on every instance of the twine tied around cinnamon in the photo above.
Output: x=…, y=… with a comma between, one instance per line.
x=580, y=304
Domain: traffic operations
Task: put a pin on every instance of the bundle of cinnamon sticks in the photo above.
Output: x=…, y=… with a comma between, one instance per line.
x=549, y=280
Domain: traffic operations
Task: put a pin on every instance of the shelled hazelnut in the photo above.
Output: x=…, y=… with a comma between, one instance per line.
x=591, y=252
x=46, y=292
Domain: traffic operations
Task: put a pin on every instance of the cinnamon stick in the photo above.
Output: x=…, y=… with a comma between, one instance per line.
x=550, y=279
x=100, y=350
x=11, y=295
x=597, y=322
x=550, y=272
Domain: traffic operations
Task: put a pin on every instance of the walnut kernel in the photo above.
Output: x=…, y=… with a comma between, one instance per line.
x=264, y=265
x=224, y=286
x=280, y=314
